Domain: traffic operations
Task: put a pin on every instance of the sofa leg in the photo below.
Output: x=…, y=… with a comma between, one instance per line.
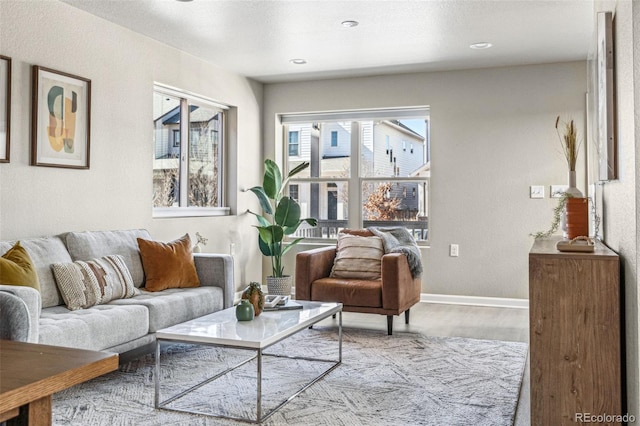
x=406, y=316
x=389, y=325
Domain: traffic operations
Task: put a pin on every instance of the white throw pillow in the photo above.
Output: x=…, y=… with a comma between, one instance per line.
x=87, y=283
x=358, y=257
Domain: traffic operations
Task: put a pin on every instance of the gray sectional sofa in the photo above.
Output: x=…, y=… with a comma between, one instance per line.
x=121, y=325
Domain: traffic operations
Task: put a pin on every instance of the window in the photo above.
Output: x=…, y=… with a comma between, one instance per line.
x=294, y=192
x=294, y=143
x=187, y=177
x=334, y=138
x=176, y=138
x=364, y=182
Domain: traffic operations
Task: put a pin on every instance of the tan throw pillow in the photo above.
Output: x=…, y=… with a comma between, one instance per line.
x=16, y=268
x=168, y=265
x=358, y=257
x=87, y=283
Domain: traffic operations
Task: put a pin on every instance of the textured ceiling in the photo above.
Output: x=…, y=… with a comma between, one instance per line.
x=257, y=38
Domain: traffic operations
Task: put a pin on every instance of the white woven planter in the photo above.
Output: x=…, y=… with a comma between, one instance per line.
x=280, y=286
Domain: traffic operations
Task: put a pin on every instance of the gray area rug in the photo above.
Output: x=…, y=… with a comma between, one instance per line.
x=404, y=379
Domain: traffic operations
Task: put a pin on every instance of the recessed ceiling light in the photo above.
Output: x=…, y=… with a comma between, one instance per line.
x=350, y=24
x=481, y=45
x=298, y=61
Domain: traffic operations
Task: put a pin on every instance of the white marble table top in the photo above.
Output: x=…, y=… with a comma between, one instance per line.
x=222, y=327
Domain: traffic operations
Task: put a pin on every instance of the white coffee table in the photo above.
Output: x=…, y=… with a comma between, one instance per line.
x=223, y=329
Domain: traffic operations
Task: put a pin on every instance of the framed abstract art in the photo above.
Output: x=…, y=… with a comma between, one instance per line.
x=5, y=108
x=61, y=119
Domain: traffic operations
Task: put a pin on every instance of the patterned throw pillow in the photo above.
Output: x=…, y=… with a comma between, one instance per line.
x=16, y=268
x=87, y=283
x=358, y=257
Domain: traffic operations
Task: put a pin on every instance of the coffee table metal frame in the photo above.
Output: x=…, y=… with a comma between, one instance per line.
x=259, y=347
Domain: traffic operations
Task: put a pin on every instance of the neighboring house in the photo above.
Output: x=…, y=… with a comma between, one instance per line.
x=204, y=129
x=388, y=149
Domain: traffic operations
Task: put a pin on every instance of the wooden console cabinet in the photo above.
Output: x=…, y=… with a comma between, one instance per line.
x=575, y=341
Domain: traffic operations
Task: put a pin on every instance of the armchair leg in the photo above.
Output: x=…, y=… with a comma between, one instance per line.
x=389, y=325
x=406, y=316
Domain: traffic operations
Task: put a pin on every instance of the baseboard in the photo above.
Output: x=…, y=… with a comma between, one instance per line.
x=452, y=299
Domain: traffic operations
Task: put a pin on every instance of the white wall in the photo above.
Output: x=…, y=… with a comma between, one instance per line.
x=492, y=135
x=620, y=217
x=116, y=192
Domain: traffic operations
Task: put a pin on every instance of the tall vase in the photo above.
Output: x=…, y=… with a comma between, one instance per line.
x=576, y=211
x=572, y=190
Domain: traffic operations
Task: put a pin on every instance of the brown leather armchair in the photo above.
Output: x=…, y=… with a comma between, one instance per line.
x=394, y=293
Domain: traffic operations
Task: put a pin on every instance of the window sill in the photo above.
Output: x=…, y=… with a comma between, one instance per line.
x=174, y=212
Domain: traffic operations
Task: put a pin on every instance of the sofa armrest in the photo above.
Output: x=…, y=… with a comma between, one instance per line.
x=312, y=265
x=400, y=290
x=32, y=300
x=216, y=270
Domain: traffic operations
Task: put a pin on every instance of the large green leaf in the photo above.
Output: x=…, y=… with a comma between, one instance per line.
x=287, y=212
x=264, y=247
x=295, y=171
x=272, y=181
x=271, y=234
x=300, y=167
x=263, y=198
x=291, y=244
x=261, y=219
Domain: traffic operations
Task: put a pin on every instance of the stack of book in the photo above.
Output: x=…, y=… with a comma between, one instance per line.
x=279, y=303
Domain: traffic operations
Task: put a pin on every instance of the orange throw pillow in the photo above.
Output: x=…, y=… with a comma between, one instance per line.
x=168, y=265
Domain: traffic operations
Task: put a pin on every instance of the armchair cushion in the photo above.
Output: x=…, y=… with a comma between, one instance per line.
x=358, y=257
x=350, y=292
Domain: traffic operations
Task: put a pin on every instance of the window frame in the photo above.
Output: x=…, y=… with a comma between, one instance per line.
x=186, y=100
x=356, y=180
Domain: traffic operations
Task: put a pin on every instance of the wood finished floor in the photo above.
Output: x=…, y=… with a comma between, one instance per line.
x=478, y=322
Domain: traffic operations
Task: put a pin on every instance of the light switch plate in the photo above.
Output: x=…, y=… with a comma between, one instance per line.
x=557, y=190
x=536, y=191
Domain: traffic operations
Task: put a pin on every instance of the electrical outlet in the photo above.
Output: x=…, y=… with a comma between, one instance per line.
x=453, y=250
x=536, y=191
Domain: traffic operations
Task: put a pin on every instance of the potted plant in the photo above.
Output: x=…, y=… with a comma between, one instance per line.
x=281, y=217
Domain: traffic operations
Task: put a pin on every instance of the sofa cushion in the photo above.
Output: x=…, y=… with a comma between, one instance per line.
x=43, y=252
x=350, y=292
x=168, y=265
x=358, y=257
x=16, y=268
x=87, y=283
x=93, y=245
x=97, y=328
x=173, y=306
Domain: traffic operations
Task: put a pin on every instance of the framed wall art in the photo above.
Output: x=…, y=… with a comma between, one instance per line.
x=605, y=98
x=5, y=108
x=61, y=119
